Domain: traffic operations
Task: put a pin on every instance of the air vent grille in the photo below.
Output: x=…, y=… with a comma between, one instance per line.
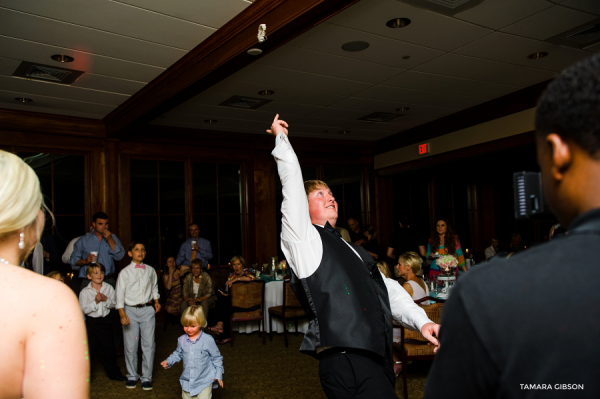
x=47, y=73
x=379, y=117
x=244, y=102
x=586, y=36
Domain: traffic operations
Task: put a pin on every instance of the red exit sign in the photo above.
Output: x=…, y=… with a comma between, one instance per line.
x=424, y=149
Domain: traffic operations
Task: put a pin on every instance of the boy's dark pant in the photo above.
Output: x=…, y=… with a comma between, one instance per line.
x=100, y=337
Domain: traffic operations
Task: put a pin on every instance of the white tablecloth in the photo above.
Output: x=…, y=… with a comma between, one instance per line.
x=273, y=297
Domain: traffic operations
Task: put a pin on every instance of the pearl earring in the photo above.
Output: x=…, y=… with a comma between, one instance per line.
x=22, y=241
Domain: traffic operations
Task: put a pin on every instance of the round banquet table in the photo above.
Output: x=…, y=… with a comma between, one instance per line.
x=273, y=297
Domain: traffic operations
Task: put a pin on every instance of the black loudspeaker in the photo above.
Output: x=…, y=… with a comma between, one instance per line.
x=529, y=197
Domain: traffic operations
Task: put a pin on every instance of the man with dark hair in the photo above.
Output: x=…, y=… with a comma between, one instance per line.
x=492, y=250
x=356, y=233
x=98, y=246
x=505, y=335
x=194, y=248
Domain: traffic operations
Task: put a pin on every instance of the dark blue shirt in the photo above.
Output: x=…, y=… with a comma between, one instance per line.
x=185, y=252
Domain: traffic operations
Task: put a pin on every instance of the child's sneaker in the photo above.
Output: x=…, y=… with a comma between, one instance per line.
x=131, y=384
x=147, y=385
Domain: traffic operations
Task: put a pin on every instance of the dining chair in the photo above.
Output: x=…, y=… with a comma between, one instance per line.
x=413, y=345
x=291, y=309
x=248, y=295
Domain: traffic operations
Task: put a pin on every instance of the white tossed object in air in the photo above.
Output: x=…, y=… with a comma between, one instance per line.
x=262, y=33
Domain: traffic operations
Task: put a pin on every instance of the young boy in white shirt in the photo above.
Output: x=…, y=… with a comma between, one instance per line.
x=96, y=301
x=137, y=286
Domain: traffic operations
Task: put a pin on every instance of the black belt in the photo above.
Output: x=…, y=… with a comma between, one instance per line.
x=142, y=305
x=335, y=351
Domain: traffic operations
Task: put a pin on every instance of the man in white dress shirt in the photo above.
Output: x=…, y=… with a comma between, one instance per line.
x=349, y=302
x=491, y=251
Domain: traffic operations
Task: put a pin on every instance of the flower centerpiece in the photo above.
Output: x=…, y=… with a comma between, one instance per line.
x=447, y=263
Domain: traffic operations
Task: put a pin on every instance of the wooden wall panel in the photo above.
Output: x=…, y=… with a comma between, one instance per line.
x=24, y=121
x=384, y=210
x=264, y=210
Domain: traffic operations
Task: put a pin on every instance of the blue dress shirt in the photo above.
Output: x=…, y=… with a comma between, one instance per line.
x=202, y=363
x=185, y=252
x=90, y=243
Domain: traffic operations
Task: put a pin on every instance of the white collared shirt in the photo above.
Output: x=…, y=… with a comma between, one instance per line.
x=136, y=286
x=302, y=245
x=87, y=300
x=489, y=252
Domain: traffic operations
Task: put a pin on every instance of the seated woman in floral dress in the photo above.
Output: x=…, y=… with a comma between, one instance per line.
x=223, y=308
x=172, y=275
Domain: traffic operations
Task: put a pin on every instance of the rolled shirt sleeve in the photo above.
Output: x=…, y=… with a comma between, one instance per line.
x=119, y=251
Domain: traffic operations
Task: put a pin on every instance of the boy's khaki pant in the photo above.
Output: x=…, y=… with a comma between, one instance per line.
x=205, y=394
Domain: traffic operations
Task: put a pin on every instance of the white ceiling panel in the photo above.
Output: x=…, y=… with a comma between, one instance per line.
x=595, y=48
x=46, y=89
x=385, y=93
x=496, y=14
x=321, y=132
x=8, y=66
x=52, y=32
x=233, y=87
x=57, y=103
x=25, y=50
x=304, y=60
x=449, y=85
x=549, y=23
x=216, y=112
x=268, y=76
x=515, y=49
x=487, y=71
x=107, y=83
x=213, y=13
x=426, y=29
x=32, y=108
x=591, y=6
x=329, y=38
x=198, y=120
x=344, y=124
x=366, y=106
x=118, y=18
x=284, y=109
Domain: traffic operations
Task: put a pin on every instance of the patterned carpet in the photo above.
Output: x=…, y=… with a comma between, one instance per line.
x=251, y=371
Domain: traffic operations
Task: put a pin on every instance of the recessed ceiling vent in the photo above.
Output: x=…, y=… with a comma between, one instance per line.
x=379, y=117
x=245, y=102
x=580, y=37
x=47, y=73
x=445, y=7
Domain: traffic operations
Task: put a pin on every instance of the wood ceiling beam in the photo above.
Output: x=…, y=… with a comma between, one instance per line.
x=219, y=56
x=509, y=104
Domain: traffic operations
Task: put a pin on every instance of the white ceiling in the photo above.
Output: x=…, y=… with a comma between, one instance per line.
x=435, y=66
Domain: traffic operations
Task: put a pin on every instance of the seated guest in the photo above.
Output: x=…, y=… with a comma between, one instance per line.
x=224, y=308
x=356, y=233
x=371, y=244
x=492, y=250
x=409, y=264
x=57, y=276
x=96, y=300
x=172, y=275
x=198, y=288
x=384, y=269
x=194, y=248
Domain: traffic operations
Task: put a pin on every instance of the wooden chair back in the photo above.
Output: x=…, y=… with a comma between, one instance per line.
x=247, y=294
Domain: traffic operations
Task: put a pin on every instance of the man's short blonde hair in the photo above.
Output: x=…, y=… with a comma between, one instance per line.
x=193, y=315
x=313, y=185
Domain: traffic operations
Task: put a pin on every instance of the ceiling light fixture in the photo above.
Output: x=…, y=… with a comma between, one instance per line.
x=398, y=23
x=355, y=46
x=62, y=58
x=537, y=56
x=402, y=109
x=345, y=132
x=254, y=51
x=266, y=93
x=23, y=100
x=210, y=121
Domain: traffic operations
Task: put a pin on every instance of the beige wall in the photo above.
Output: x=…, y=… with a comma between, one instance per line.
x=510, y=125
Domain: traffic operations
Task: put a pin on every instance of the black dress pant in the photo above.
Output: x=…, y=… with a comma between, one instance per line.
x=100, y=339
x=354, y=373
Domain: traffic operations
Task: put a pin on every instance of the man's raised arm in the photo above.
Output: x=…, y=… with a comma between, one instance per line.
x=300, y=242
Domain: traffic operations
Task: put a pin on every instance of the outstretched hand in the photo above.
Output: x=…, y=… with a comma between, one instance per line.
x=278, y=126
x=428, y=330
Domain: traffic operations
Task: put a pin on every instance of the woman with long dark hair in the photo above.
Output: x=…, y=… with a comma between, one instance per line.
x=444, y=241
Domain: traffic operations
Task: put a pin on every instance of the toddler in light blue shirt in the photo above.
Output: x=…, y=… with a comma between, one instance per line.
x=202, y=361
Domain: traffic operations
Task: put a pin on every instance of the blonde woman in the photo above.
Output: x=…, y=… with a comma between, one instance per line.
x=44, y=335
x=409, y=265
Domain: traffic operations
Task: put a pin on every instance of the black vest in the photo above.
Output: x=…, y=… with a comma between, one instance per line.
x=346, y=300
